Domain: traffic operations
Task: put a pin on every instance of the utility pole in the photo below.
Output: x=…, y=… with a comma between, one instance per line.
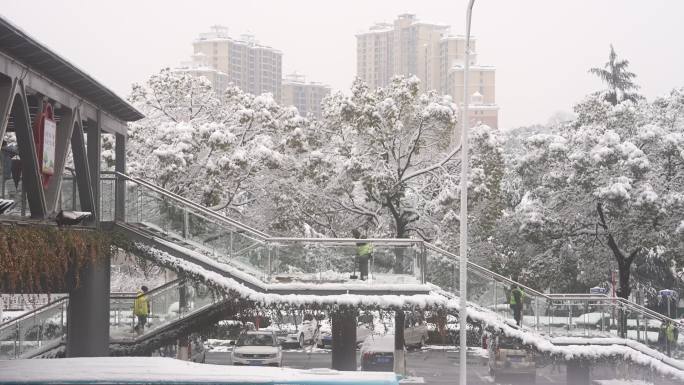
x=463, y=314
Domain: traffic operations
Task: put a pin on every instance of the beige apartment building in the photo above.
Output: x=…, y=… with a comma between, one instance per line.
x=219, y=80
x=253, y=67
x=481, y=80
x=480, y=112
x=405, y=47
x=306, y=97
x=409, y=46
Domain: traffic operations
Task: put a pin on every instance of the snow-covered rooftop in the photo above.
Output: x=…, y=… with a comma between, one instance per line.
x=119, y=370
x=473, y=67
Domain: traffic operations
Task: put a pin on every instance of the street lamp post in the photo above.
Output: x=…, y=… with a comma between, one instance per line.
x=463, y=246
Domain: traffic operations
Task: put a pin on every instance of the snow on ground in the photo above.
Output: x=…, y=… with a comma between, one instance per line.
x=11, y=314
x=216, y=345
x=412, y=380
x=159, y=369
x=621, y=382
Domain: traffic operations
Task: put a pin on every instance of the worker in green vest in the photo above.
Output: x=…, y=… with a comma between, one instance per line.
x=671, y=335
x=516, y=301
x=364, y=251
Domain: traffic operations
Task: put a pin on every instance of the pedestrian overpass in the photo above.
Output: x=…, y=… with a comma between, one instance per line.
x=245, y=266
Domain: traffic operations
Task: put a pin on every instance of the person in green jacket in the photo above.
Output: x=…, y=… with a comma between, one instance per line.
x=671, y=335
x=364, y=251
x=516, y=302
x=141, y=309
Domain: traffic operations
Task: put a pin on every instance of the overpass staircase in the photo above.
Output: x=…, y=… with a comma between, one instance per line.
x=206, y=246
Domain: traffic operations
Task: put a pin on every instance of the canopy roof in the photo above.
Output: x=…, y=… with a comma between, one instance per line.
x=23, y=48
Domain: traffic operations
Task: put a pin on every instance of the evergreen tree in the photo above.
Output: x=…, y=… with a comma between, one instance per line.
x=619, y=79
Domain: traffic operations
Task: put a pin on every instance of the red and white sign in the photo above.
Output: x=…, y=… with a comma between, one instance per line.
x=49, y=137
x=44, y=136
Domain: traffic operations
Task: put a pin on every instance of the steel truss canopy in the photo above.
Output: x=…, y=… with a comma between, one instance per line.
x=46, y=72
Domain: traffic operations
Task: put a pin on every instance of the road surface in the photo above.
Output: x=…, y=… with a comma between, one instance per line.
x=434, y=366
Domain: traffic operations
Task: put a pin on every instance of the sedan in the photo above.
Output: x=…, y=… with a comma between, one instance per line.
x=257, y=348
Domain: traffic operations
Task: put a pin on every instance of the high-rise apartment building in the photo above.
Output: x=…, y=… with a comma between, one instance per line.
x=405, y=47
x=306, y=97
x=409, y=46
x=253, y=67
x=219, y=80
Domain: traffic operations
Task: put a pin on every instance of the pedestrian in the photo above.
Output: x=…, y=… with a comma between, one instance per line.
x=364, y=252
x=516, y=302
x=671, y=335
x=141, y=309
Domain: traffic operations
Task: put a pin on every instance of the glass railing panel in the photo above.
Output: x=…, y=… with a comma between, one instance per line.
x=132, y=202
x=34, y=332
x=107, y=197
x=69, y=198
x=9, y=347
x=255, y=261
x=211, y=237
x=121, y=319
x=198, y=296
x=143, y=205
x=442, y=270
x=155, y=211
x=167, y=305
x=591, y=318
x=126, y=326
x=8, y=190
x=337, y=262
x=491, y=291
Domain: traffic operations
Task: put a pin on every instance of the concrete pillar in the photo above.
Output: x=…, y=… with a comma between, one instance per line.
x=183, y=348
x=344, y=339
x=578, y=372
x=399, y=343
x=88, y=313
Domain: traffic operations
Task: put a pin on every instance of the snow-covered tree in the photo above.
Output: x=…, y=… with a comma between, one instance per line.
x=204, y=146
x=618, y=78
x=607, y=192
x=380, y=161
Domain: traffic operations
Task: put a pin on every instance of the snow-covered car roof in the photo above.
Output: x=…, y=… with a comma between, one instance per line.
x=379, y=343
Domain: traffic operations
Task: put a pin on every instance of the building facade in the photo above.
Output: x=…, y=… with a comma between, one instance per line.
x=405, y=47
x=409, y=46
x=219, y=80
x=306, y=97
x=253, y=67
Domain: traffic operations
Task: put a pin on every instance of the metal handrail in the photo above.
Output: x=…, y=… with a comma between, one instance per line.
x=352, y=241
x=157, y=289
x=604, y=300
x=488, y=272
x=33, y=312
x=392, y=241
x=186, y=202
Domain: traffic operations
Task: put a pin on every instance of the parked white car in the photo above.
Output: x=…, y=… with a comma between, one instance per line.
x=299, y=336
x=257, y=348
x=293, y=332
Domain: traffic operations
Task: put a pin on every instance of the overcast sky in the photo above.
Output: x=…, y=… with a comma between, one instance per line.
x=541, y=48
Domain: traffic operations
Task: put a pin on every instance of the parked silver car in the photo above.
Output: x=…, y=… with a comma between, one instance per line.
x=415, y=331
